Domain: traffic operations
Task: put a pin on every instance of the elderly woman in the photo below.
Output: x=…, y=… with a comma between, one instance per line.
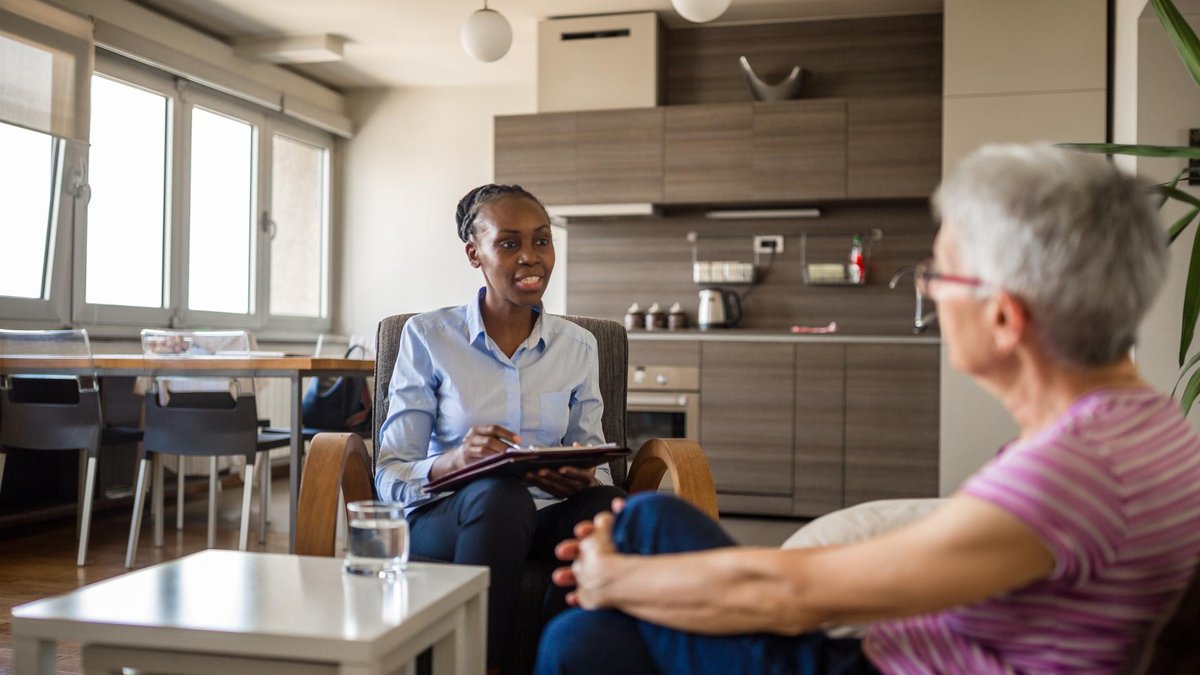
x=1056, y=556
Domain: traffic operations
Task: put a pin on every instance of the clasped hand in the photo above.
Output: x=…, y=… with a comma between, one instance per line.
x=485, y=440
x=594, y=560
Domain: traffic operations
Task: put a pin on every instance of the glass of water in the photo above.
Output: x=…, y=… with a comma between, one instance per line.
x=378, y=539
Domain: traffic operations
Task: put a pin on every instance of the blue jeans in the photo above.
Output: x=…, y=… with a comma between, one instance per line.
x=609, y=641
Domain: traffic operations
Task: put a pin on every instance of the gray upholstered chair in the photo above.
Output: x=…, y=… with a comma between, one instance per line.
x=336, y=461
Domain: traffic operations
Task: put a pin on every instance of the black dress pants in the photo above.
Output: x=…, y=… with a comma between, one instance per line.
x=493, y=522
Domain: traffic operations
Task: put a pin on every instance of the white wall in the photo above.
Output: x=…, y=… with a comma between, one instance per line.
x=1168, y=104
x=417, y=152
x=1015, y=71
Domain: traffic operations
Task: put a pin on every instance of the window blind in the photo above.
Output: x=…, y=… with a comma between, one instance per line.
x=45, y=69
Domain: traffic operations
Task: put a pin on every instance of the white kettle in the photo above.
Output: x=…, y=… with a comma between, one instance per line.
x=719, y=308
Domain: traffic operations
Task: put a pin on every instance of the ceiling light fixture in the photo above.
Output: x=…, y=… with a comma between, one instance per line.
x=486, y=35
x=700, y=11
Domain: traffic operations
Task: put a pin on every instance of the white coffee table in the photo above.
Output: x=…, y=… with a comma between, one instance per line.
x=232, y=612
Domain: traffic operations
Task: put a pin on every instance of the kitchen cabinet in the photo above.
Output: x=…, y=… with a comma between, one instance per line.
x=799, y=150
x=892, y=421
x=538, y=153
x=594, y=157
x=894, y=146
x=746, y=405
x=751, y=152
x=820, y=428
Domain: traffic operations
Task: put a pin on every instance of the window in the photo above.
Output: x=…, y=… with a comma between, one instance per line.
x=29, y=170
x=127, y=216
x=205, y=211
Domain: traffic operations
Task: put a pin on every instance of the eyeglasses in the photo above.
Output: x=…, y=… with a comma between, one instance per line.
x=924, y=275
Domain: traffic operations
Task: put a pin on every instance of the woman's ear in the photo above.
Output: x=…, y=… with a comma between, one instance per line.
x=472, y=253
x=1009, y=319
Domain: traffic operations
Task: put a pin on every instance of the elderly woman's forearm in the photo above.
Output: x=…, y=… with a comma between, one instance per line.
x=725, y=591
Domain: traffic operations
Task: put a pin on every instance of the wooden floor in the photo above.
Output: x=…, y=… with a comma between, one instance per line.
x=38, y=565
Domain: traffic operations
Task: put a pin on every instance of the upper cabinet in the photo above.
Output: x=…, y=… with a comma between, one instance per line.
x=594, y=157
x=719, y=153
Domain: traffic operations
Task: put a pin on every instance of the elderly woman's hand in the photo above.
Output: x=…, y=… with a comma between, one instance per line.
x=594, y=560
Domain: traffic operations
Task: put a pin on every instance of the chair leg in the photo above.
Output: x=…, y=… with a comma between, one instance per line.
x=80, y=486
x=139, y=501
x=89, y=491
x=156, y=489
x=179, y=494
x=212, y=502
x=247, y=494
x=264, y=494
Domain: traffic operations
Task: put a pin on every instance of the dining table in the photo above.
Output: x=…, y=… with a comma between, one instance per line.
x=292, y=368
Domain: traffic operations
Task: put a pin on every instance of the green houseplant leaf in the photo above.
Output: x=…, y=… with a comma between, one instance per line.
x=1181, y=34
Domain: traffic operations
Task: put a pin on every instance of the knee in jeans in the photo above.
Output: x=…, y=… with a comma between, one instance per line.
x=571, y=639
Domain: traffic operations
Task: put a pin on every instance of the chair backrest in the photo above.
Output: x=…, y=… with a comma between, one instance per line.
x=613, y=346
x=198, y=343
x=50, y=411
x=1172, y=646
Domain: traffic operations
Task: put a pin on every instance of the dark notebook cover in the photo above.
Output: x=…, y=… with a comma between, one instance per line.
x=518, y=462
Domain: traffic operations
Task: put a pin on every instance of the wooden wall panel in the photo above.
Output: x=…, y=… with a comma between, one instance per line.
x=820, y=427
x=850, y=57
x=891, y=421
x=612, y=263
x=746, y=405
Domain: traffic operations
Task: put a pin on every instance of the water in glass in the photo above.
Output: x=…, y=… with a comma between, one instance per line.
x=378, y=539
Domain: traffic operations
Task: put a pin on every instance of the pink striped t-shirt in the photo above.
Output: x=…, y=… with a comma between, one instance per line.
x=1112, y=488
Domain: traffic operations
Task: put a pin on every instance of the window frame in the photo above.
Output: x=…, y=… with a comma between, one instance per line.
x=83, y=312
x=183, y=96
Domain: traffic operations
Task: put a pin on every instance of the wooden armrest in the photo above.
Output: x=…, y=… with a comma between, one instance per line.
x=685, y=460
x=335, y=462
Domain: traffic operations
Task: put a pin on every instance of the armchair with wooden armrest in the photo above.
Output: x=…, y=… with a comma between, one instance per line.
x=341, y=462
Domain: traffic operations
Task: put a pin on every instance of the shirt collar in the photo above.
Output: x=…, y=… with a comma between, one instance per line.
x=477, y=332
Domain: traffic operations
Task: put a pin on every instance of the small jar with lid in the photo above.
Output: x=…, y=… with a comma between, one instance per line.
x=635, y=318
x=656, y=319
x=676, y=318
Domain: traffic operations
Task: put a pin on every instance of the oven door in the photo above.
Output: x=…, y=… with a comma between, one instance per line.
x=661, y=414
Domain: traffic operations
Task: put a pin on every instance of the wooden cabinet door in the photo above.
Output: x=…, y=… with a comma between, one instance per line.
x=619, y=156
x=891, y=421
x=820, y=428
x=799, y=150
x=708, y=153
x=538, y=153
x=746, y=405
x=895, y=146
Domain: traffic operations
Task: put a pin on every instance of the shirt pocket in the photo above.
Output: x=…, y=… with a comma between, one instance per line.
x=553, y=414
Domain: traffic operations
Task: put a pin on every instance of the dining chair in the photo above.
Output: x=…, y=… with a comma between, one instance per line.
x=198, y=417
x=57, y=412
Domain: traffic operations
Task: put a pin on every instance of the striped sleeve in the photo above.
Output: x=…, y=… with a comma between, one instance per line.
x=1069, y=499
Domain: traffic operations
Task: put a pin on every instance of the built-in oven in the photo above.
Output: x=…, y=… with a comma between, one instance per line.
x=663, y=402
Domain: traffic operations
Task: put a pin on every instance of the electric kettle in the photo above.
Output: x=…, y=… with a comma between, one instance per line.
x=719, y=308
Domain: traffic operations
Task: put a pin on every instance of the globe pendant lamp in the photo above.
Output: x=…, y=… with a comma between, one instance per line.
x=700, y=11
x=486, y=35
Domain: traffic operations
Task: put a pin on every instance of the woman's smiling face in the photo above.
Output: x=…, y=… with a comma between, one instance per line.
x=513, y=245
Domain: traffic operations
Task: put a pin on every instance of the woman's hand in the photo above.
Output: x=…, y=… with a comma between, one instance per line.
x=480, y=442
x=594, y=559
x=563, y=481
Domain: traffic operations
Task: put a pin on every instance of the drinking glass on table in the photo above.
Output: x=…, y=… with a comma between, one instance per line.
x=378, y=539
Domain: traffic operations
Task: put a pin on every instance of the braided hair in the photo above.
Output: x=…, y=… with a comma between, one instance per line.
x=469, y=205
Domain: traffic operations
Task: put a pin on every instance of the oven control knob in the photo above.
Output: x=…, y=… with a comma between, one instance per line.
x=639, y=375
x=661, y=378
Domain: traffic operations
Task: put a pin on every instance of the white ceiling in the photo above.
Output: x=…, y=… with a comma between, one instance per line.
x=403, y=43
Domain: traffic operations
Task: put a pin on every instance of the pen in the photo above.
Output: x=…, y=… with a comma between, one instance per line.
x=509, y=443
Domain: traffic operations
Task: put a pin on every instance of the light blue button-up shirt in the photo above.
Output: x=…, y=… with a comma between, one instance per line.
x=450, y=376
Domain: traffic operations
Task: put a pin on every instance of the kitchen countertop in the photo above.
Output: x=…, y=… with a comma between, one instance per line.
x=781, y=335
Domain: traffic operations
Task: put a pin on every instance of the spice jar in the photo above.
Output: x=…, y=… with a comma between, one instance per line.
x=656, y=319
x=635, y=318
x=676, y=319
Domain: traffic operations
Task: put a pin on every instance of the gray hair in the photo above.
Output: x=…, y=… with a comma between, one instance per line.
x=1070, y=235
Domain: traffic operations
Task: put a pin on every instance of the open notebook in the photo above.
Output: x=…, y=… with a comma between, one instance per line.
x=519, y=461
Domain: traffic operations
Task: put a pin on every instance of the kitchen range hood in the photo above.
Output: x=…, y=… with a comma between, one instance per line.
x=565, y=212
